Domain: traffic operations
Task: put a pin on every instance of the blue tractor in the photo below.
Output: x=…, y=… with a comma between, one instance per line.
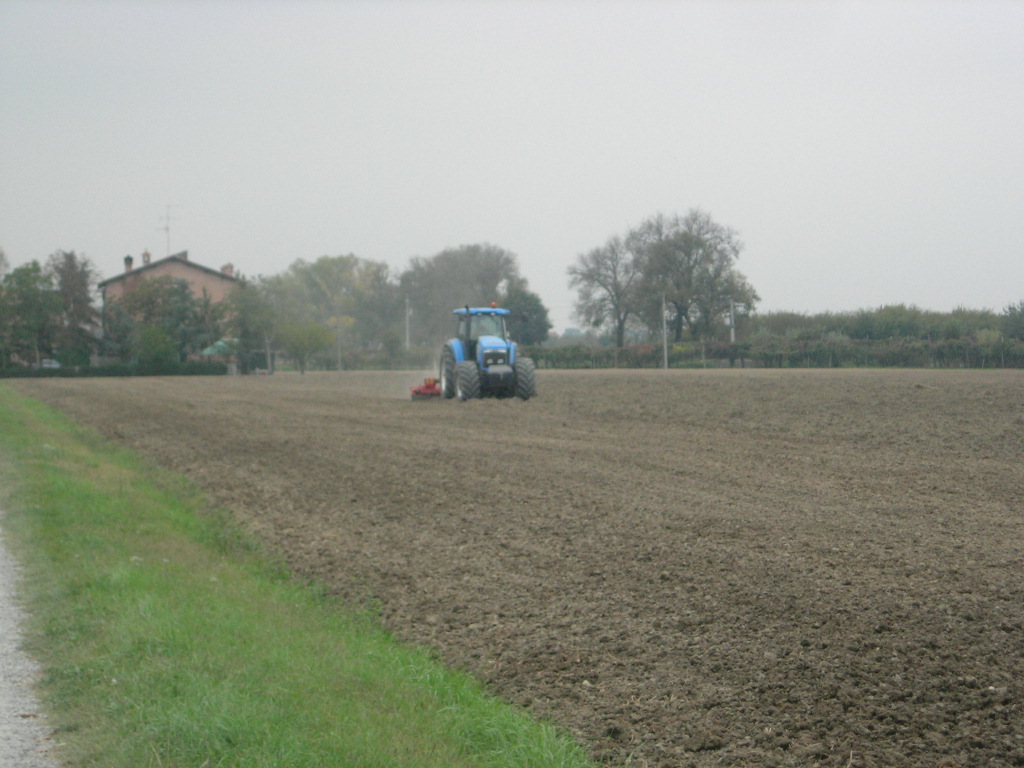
x=481, y=361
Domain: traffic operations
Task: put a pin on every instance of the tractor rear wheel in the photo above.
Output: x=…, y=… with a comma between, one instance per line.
x=447, y=373
x=467, y=380
x=526, y=378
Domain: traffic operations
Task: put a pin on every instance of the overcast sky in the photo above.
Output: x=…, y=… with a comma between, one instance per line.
x=867, y=153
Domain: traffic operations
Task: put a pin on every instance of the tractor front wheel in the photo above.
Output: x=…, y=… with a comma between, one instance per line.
x=526, y=378
x=447, y=373
x=467, y=380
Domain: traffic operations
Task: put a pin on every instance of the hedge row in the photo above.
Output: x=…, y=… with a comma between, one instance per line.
x=765, y=351
x=783, y=352
x=190, y=368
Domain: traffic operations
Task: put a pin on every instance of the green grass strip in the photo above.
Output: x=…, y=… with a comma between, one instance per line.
x=167, y=641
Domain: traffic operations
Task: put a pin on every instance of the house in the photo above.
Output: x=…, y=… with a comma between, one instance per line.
x=216, y=284
x=203, y=282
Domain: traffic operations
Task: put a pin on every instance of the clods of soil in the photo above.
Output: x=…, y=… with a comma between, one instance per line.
x=685, y=568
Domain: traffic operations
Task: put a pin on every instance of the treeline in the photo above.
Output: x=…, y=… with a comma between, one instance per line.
x=335, y=312
x=344, y=312
x=669, y=278
x=45, y=308
x=890, y=336
x=114, y=370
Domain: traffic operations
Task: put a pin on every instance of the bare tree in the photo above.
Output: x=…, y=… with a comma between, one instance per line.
x=689, y=263
x=606, y=281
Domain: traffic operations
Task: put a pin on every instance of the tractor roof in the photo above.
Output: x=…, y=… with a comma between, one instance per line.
x=481, y=311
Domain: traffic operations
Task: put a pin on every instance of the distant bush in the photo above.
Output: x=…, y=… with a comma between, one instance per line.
x=188, y=368
x=688, y=355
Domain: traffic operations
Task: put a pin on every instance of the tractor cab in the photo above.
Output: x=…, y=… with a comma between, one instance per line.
x=486, y=325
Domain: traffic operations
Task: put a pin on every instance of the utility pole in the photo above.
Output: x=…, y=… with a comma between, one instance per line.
x=407, y=323
x=664, y=335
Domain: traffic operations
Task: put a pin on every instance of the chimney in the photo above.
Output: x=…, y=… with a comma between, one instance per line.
x=127, y=263
x=228, y=269
x=145, y=257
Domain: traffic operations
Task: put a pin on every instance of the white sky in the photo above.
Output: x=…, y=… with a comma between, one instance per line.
x=867, y=152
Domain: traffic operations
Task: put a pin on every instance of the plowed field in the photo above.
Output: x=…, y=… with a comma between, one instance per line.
x=742, y=568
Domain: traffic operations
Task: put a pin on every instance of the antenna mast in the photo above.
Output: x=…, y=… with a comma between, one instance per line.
x=166, y=228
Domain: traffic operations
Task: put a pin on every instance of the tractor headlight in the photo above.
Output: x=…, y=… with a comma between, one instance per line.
x=495, y=357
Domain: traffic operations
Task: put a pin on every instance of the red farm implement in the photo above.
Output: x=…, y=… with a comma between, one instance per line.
x=427, y=390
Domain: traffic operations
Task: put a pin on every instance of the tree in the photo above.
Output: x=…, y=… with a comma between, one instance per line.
x=668, y=255
x=721, y=290
x=328, y=287
x=606, y=280
x=836, y=344
x=256, y=310
x=302, y=341
x=379, y=308
x=5, y=352
x=207, y=324
x=353, y=297
x=472, y=275
x=162, y=302
x=1012, y=321
x=688, y=263
x=74, y=277
x=154, y=349
x=29, y=313
x=528, y=321
x=990, y=344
